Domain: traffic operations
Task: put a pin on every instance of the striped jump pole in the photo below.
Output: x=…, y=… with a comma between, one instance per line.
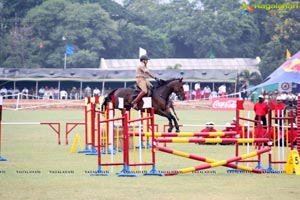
x=187, y=134
x=211, y=140
x=105, y=143
x=218, y=163
x=89, y=124
x=127, y=163
x=207, y=160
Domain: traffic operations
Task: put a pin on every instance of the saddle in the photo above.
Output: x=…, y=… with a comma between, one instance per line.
x=137, y=90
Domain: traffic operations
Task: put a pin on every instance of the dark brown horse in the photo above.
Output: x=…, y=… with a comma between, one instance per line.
x=160, y=98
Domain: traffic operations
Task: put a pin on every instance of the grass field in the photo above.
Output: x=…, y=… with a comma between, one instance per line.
x=36, y=163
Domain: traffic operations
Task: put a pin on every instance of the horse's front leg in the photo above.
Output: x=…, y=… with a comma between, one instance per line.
x=166, y=115
x=175, y=123
x=169, y=117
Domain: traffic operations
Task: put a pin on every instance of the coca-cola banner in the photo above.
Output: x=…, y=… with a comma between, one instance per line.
x=224, y=103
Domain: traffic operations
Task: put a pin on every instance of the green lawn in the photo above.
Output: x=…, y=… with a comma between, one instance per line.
x=35, y=160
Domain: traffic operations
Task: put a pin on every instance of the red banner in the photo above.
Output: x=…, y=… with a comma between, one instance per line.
x=224, y=103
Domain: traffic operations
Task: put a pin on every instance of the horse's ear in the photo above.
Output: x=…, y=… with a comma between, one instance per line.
x=181, y=79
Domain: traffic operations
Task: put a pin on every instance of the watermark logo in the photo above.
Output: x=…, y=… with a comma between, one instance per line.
x=270, y=8
x=246, y=8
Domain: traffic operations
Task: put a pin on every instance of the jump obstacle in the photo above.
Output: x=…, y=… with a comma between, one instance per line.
x=174, y=138
x=98, y=140
x=278, y=135
x=54, y=125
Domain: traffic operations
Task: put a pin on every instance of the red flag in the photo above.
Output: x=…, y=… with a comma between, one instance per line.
x=41, y=45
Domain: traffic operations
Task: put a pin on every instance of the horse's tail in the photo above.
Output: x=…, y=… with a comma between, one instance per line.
x=107, y=99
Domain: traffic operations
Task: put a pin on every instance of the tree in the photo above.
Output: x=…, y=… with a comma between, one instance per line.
x=252, y=78
x=218, y=25
x=87, y=27
x=278, y=30
x=134, y=36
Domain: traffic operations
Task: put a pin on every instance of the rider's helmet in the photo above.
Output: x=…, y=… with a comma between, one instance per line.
x=144, y=57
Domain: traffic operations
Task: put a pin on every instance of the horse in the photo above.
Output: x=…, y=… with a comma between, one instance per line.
x=160, y=99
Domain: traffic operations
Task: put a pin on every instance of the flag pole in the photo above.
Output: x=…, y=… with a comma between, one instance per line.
x=65, y=61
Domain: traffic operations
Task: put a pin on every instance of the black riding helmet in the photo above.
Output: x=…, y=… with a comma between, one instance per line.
x=144, y=57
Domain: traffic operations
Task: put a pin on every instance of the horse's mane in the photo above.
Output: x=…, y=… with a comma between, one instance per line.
x=165, y=82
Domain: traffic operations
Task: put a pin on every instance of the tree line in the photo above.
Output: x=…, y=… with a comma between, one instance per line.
x=34, y=33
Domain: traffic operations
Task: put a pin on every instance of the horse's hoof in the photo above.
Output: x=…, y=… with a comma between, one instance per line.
x=177, y=131
x=169, y=130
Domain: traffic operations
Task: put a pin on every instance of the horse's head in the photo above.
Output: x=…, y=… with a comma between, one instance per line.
x=177, y=86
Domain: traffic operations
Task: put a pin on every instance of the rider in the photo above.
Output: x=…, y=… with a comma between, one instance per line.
x=141, y=80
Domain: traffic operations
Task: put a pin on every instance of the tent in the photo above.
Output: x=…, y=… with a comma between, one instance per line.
x=288, y=72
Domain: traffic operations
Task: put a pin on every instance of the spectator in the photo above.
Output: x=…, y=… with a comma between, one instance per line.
x=273, y=95
x=25, y=92
x=290, y=109
x=87, y=91
x=186, y=89
x=260, y=132
x=209, y=127
x=261, y=109
x=278, y=109
x=222, y=91
x=274, y=136
x=198, y=90
x=235, y=127
x=63, y=94
x=291, y=96
x=56, y=93
x=284, y=96
x=32, y=94
x=193, y=94
x=16, y=92
x=10, y=93
x=207, y=92
x=228, y=128
x=73, y=93
x=48, y=93
x=213, y=94
x=3, y=92
x=245, y=133
x=96, y=92
x=244, y=91
x=41, y=92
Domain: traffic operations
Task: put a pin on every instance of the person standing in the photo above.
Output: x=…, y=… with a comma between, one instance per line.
x=198, y=90
x=142, y=82
x=222, y=91
x=261, y=110
x=278, y=109
x=25, y=92
x=244, y=91
x=186, y=89
x=207, y=92
x=289, y=109
x=96, y=92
